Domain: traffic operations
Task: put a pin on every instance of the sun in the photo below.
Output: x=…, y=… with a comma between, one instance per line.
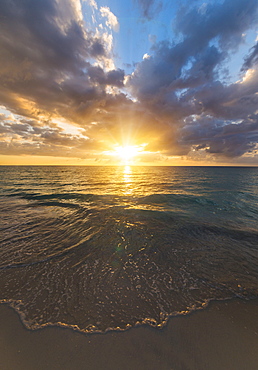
x=127, y=153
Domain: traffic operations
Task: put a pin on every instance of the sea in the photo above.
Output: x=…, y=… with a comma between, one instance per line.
x=109, y=248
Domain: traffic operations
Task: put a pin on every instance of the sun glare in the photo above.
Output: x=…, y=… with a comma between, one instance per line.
x=127, y=153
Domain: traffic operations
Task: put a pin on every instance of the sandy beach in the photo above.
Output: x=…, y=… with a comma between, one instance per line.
x=222, y=336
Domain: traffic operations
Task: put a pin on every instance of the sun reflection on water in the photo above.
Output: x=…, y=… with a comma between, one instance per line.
x=127, y=178
x=127, y=173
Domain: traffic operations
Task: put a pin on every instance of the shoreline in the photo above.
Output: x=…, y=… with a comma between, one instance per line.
x=145, y=323
x=223, y=335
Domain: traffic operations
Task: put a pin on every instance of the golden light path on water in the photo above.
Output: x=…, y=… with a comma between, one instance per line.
x=127, y=180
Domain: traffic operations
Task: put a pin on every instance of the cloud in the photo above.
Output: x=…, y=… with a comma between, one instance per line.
x=92, y=3
x=252, y=58
x=149, y=8
x=20, y=136
x=112, y=21
x=221, y=23
x=45, y=55
x=51, y=67
x=219, y=136
x=112, y=78
x=182, y=80
x=175, y=101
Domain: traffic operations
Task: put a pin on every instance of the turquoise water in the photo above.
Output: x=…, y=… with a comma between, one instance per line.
x=100, y=248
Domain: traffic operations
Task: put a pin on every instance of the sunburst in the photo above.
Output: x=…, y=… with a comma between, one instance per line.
x=128, y=152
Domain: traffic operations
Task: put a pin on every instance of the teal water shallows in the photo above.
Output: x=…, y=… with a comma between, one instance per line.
x=100, y=248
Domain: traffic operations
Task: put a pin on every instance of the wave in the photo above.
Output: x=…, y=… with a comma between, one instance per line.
x=101, y=255
x=98, y=269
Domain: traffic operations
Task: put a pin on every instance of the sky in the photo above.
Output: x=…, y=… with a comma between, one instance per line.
x=143, y=82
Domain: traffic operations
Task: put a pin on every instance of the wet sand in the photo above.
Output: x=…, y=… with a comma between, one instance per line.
x=223, y=336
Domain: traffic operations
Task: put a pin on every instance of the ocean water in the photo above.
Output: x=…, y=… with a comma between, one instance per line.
x=102, y=248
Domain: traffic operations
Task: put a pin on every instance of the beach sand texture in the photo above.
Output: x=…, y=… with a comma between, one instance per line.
x=222, y=336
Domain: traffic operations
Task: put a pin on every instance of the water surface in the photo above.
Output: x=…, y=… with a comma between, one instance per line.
x=99, y=248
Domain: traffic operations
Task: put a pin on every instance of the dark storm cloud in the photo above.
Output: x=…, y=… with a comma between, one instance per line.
x=149, y=8
x=182, y=79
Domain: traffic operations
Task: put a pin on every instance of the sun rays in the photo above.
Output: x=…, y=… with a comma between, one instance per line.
x=127, y=153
